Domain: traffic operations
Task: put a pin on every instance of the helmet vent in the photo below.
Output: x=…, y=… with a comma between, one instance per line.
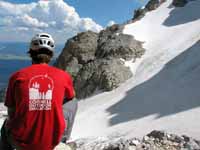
x=40, y=42
x=44, y=36
x=48, y=43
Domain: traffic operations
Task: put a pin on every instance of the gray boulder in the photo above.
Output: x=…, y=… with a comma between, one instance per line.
x=83, y=46
x=86, y=81
x=112, y=74
x=106, y=34
x=113, y=44
x=139, y=13
x=78, y=50
x=157, y=134
x=101, y=74
x=152, y=5
x=94, y=60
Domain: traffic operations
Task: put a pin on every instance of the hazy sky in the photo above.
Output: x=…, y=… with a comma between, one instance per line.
x=20, y=19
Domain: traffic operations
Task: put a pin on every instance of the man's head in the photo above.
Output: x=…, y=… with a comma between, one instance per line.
x=41, y=48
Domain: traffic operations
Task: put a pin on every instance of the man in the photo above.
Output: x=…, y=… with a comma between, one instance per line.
x=34, y=99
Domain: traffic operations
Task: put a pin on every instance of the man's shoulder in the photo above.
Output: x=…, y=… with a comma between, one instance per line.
x=57, y=70
x=18, y=73
x=22, y=70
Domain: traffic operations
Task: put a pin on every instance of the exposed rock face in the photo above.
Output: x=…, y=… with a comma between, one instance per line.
x=115, y=44
x=78, y=51
x=139, y=14
x=179, y=3
x=94, y=60
x=151, y=5
x=101, y=74
x=156, y=140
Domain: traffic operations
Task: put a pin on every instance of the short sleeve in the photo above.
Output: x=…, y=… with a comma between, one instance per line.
x=9, y=101
x=69, y=91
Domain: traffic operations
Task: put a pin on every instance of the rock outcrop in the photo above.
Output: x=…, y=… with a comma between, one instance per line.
x=156, y=140
x=112, y=43
x=139, y=14
x=151, y=5
x=78, y=51
x=179, y=3
x=101, y=74
x=95, y=60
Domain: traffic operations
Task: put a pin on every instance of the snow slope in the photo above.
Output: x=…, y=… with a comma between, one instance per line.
x=164, y=92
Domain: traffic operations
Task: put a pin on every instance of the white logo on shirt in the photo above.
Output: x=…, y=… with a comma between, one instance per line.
x=40, y=92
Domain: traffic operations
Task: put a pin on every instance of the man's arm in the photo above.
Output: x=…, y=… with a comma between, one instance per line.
x=11, y=112
x=10, y=97
x=69, y=99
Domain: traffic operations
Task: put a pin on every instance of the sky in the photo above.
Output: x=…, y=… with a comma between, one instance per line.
x=21, y=19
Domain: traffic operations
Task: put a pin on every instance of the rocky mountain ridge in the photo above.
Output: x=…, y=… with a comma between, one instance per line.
x=152, y=5
x=96, y=61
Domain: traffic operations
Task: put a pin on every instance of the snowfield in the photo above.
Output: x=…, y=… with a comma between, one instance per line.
x=164, y=92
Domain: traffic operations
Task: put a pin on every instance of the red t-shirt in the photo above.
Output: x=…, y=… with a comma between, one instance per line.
x=37, y=93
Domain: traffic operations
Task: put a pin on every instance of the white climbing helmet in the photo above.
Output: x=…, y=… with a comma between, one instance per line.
x=42, y=40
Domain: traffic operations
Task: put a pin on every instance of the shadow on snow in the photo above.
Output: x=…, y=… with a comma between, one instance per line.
x=182, y=15
x=176, y=88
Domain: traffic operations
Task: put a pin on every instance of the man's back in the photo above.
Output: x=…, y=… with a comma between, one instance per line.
x=37, y=93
